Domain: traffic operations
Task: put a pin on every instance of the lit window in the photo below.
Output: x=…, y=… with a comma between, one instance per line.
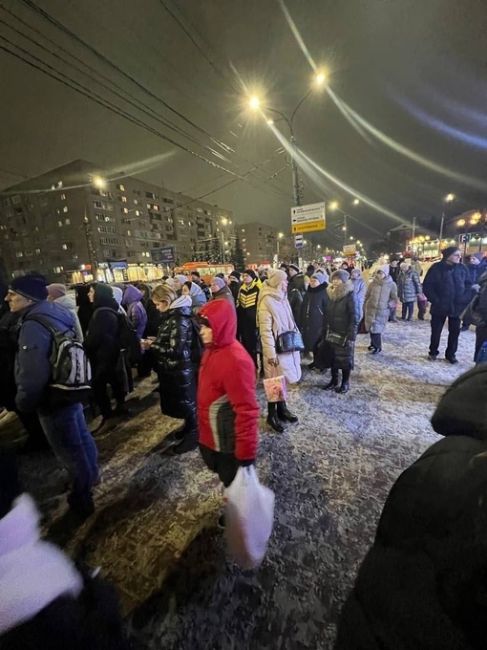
x=64, y=247
x=124, y=199
x=65, y=209
x=38, y=251
x=60, y=223
x=136, y=202
x=137, y=213
x=129, y=233
x=125, y=210
x=63, y=197
x=19, y=254
x=121, y=188
x=67, y=222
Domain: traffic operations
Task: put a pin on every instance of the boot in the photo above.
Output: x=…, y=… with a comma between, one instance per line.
x=283, y=413
x=334, y=380
x=345, y=386
x=272, y=419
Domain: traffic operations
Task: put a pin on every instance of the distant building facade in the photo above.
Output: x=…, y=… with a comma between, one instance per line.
x=74, y=218
x=262, y=244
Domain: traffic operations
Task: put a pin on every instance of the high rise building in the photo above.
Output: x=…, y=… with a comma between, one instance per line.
x=77, y=218
x=261, y=243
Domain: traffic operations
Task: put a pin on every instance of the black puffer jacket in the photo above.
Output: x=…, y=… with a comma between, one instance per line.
x=448, y=288
x=341, y=317
x=313, y=314
x=172, y=354
x=102, y=342
x=423, y=583
x=295, y=293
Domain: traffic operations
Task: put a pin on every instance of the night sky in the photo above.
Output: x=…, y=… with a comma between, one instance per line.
x=416, y=70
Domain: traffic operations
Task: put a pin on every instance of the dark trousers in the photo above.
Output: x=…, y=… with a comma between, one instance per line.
x=225, y=465
x=392, y=314
x=480, y=338
x=437, y=323
x=376, y=341
x=421, y=309
x=248, y=335
x=407, y=310
x=99, y=387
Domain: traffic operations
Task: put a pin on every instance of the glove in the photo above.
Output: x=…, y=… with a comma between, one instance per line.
x=246, y=463
x=476, y=287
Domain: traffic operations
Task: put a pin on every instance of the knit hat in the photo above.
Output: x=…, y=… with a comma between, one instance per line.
x=117, y=294
x=403, y=266
x=320, y=276
x=341, y=275
x=56, y=290
x=251, y=272
x=181, y=278
x=276, y=277
x=449, y=251
x=218, y=282
x=384, y=268
x=33, y=287
x=234, y=274
x=294, y=267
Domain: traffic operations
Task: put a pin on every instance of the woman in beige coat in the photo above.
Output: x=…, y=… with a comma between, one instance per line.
x=381, y=295
x=275, y=317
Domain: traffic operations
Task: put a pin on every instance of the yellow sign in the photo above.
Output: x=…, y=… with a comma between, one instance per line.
x=309, y=226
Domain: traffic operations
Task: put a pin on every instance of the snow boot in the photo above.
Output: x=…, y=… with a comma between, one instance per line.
x=283, y=413
x=345, y=385
x=334, y=380
x=272, y=419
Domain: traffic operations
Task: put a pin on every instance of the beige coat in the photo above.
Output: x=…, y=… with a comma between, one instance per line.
x=380, y=293
x=274, y=317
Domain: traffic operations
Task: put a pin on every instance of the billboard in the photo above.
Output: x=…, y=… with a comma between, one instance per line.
x=163, y=255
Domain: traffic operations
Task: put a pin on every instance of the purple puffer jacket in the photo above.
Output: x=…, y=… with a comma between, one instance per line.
x=136, y=313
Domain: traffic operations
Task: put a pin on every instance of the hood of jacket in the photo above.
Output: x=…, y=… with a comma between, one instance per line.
x=272, y=292
x=104, y=296
x=462, y=411
x=68, y=302
x=338, y=292
x=60, y=317
x=381, y=281
x=223, y=322
x=131, y=294
x=33, y=573
x=196, y=290
x=181, y=301
x=319, y=289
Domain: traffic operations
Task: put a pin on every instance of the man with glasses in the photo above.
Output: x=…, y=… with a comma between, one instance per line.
x=447, y=286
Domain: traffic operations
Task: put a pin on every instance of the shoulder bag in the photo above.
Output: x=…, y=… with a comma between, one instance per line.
x=289, y=342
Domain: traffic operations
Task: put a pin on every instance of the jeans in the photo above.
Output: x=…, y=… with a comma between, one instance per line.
x=407, y=310
x=73, y=445
x=437, y=322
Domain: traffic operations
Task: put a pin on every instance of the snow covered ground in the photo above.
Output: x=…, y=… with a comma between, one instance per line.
x=154, y=533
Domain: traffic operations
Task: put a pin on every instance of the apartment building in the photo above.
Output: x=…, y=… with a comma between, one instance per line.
x=79, y=217
x=262, y=243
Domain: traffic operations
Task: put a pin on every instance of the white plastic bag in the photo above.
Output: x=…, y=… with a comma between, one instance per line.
x=249, y=515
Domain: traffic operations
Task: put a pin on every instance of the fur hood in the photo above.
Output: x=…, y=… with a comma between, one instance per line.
x=338, y=292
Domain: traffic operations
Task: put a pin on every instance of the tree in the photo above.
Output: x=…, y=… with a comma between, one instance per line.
x=238, y=259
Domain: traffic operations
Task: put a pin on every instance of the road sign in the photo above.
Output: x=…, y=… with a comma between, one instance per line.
x=308, y=218
x=465, y=238
x=298, y=241
x=349, y=249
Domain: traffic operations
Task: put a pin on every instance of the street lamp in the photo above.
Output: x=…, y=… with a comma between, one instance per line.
x=447, y=199
x=356, y=202
x=256, y=104
x=99, y=182
x=333, y=205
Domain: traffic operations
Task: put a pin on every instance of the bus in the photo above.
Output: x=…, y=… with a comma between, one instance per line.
x=207, y=270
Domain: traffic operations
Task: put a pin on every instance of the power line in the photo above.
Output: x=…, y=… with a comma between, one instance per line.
x=34, y=7
x=79, y=88
x=157, y=116
x=150, y=112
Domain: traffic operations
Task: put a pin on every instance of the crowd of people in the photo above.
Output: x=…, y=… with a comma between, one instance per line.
x=207, y=345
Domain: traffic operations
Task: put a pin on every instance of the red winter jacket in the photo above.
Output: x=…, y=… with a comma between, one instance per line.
x=228, y=412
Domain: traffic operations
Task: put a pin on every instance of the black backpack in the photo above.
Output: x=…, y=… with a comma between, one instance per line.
x=70, y=369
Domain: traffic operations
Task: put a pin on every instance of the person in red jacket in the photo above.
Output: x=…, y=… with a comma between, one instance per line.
x=228, y=413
